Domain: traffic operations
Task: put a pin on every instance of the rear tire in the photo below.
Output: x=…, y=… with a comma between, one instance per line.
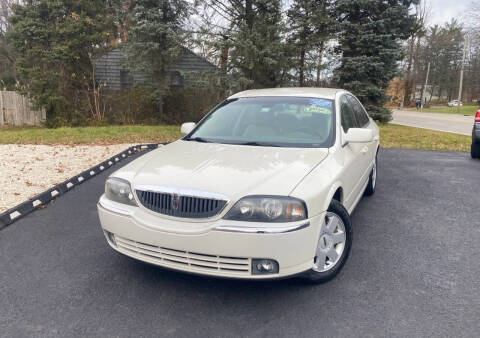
x=475, y=150
x=372, y=181
x=333, y=247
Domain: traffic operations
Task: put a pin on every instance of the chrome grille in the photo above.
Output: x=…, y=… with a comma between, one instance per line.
x=182, y=206
x=183, y=259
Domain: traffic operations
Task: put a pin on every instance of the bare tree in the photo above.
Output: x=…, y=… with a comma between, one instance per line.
x=472, y=72
x=5, y=11
x=473, y=19
x=423, y=12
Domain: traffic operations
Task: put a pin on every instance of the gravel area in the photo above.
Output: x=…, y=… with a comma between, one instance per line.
x=26, y=170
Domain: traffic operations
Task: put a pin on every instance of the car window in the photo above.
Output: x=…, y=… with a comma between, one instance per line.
x=347, y=114
x=280, y=121
x=360, y=114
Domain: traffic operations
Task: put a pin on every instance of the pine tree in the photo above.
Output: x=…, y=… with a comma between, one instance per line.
x=253, y=39
x=56, y=41
x=258, y=50
x=442, y=47
x=155, y=38
x=311, y=26
x=370, y=32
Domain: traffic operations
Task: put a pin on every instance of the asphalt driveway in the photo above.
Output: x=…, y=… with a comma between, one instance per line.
x=414, y=270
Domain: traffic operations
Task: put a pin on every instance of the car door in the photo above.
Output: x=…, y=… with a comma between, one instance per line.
x=351, y=153
x=369, y=150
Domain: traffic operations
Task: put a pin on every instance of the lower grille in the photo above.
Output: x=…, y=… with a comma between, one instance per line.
x=182, y=259
x=180, y=206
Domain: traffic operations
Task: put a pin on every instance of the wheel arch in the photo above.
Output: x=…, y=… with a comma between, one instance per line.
x=336, y=193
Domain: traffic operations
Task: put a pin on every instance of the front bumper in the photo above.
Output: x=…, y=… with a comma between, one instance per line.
x=218, y=248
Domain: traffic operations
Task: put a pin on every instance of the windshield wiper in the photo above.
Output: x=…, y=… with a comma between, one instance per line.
x=258, y=144
x=198, y=139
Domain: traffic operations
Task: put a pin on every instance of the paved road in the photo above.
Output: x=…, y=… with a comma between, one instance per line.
x=414, y=271
x=452, y=123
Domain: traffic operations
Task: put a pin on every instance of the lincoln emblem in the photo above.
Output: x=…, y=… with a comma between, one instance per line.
x=175, y=202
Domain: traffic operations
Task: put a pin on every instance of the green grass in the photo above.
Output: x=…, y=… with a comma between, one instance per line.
x=90, y=135
x=392, y=136
x=464, y=110
x=395, y=136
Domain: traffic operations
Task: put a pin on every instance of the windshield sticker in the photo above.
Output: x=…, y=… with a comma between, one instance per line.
x=322, y=103
x=317, y=110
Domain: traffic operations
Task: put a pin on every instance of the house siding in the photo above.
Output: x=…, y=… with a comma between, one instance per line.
x=109, y=67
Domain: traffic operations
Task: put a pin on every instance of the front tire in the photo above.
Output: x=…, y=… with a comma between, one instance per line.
x=333, y=245
x=475, y=150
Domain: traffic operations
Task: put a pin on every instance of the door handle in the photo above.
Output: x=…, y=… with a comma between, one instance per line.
x=364, y=150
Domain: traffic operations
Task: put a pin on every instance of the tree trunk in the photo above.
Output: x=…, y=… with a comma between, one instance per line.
x=320, y=62
x=302, y=68
x=433, y=92
x=224, y=65
x=249, y=17
x=408, y=84
x=161, y=80
x=415, y=68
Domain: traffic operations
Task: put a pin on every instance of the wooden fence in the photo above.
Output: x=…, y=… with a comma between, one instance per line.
x=17, y=110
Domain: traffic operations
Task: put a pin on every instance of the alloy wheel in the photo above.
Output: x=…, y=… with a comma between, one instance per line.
x=331, y=243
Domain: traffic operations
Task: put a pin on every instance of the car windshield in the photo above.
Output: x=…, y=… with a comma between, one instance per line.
x=269, y=121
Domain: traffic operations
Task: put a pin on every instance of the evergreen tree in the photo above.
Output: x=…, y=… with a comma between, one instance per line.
x=370, y=32
x=443, y=49
x=7, y=54
x=258, y=51
x=56, y=41
x=252, y=41
x=311, y=26
x=155, y=38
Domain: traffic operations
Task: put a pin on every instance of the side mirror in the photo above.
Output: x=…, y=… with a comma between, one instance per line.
x=187, y=128
x=358, y=135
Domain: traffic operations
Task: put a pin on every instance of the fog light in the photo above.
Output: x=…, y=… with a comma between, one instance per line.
x=111, y=238
x=264, y=266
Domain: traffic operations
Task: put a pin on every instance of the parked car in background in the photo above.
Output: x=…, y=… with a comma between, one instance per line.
x=454, y=103
x=475, y=150
x=262, y=187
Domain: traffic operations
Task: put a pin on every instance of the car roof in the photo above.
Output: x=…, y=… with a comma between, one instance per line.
x=324, y=93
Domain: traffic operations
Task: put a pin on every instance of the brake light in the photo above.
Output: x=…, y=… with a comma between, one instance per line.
x=477, y=116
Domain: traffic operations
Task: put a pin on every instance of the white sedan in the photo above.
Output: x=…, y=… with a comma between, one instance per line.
x=262, y=187
x=454, y=103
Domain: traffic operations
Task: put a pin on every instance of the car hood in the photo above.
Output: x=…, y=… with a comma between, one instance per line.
x=231, y=170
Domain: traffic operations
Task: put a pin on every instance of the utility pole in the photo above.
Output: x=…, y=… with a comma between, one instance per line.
x=460, y=87
x=425, y=88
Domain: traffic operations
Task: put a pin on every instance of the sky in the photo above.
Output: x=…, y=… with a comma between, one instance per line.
x=445, y=10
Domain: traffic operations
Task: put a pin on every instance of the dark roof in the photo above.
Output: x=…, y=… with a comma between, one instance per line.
x=189, y=61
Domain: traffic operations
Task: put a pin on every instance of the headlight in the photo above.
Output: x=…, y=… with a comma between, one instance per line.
x=268, y=209
x=119, y=190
